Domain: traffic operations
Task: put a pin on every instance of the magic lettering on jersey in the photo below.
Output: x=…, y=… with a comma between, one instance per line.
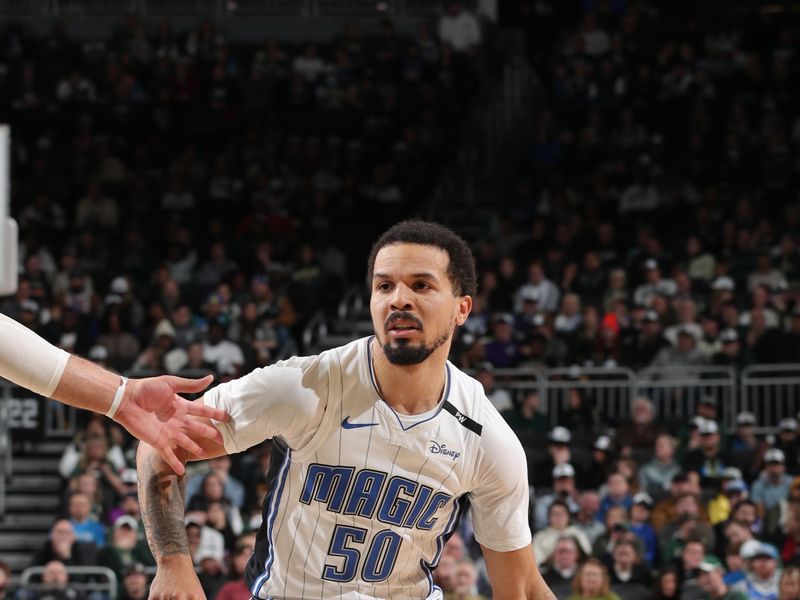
x=373, y=494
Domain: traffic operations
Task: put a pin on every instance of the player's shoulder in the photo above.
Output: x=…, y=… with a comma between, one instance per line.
x=469, y=398
x=345, y=354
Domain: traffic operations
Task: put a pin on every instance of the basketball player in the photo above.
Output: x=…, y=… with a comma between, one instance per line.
x=150, y=409
x=379, y=446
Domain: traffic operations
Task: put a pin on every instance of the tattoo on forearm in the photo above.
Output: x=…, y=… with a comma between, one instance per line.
x=161, y=496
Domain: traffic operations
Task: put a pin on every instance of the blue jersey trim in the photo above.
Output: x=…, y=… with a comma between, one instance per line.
x=459, y=505
x=270, y=518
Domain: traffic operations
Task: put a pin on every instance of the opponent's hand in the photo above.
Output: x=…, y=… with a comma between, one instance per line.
x=152, y=411
x=176, y=581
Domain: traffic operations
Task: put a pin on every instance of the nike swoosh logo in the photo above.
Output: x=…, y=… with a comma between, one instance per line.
x=348, y=425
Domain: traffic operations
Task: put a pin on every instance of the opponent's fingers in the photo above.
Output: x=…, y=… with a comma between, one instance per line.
x=203, y=430
x=184, y=441
x=168, y=454
x=181, y=384
x=199, y=409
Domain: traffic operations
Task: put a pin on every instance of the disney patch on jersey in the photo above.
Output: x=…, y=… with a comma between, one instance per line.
x=442, y=450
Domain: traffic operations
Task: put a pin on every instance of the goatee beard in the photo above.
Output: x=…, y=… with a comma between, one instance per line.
x=405, y=355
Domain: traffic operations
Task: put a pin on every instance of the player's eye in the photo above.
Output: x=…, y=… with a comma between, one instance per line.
x=421, y=285
x=384, y=286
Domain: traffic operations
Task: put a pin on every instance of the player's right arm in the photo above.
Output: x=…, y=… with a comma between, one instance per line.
x=286, y=400
x=161, y=497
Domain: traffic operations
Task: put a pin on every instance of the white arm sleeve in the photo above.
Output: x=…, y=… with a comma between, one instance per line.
x=28, y=360
x=499, y=495
x=286, y=399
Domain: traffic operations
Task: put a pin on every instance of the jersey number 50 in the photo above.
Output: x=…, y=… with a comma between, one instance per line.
x=380, y=557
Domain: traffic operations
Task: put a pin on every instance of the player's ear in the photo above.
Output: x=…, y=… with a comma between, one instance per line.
x=464, y=308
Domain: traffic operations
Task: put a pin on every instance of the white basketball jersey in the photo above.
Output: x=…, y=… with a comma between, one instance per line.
x=363, y=499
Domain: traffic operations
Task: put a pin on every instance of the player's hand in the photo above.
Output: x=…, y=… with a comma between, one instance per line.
x=153, y=411
x=176, y=580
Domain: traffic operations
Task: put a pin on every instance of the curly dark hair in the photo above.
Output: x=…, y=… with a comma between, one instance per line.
x=461, y=265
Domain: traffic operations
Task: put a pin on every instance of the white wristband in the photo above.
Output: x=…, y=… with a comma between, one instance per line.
x=117, y=398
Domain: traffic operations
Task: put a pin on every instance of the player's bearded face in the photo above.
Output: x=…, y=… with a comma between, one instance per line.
x=405, y=352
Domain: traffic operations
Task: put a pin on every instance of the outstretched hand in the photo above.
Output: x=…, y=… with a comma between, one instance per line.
x=152, y=411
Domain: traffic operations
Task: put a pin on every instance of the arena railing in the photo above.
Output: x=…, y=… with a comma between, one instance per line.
x=108, y=586
x=675, y=391
x=770, y=392
x=609, y=391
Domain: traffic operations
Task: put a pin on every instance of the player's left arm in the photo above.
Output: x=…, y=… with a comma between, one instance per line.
x=499, y=499
x=514, y=575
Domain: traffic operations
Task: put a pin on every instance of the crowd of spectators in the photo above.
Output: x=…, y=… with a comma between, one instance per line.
x=186, y=204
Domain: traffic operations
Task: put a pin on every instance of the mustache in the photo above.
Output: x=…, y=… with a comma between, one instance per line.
x=401, y=316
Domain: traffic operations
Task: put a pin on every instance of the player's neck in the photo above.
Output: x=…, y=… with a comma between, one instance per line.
x=413, y=389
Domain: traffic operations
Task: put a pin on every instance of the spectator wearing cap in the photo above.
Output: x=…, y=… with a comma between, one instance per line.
x=788, y=442
x=639, y=348
x=529, y=317
x=600, y=465
x=135, y=583
x=732, y=491
x=527, y=417
x=709, y=460
x=732, y=353
x=558, y=525
x=744, y=440
x=558, y=452
x=641, y=510
x=654, y=284
x=712, y=583
x=503, y=350
x=763, y=573
x=771, y=487
x=563, y=489
x=548, y=293
x=640, y=431
x=688, y=562
x=125, y=549
x=499, y=397
x=656, y=475
x=562, y=566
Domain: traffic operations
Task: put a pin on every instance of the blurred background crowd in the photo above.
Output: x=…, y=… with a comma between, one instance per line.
x=189, y=201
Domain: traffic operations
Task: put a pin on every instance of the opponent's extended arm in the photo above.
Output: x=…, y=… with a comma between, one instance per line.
x=514, y=575
x=149, y=408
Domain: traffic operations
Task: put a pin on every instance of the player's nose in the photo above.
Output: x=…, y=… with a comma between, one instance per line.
x=402, y=298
